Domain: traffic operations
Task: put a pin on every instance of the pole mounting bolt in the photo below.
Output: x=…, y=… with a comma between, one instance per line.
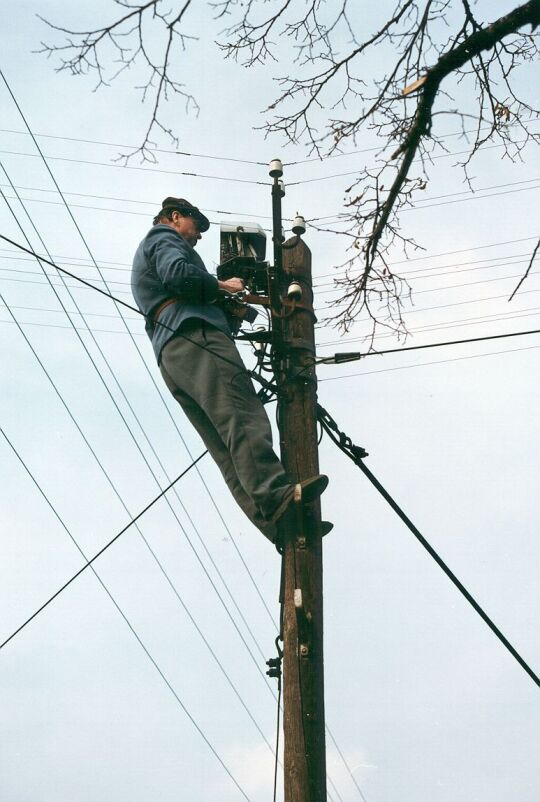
x=304, y=650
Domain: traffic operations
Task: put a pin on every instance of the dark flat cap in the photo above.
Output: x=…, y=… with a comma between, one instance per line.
x=188, y=209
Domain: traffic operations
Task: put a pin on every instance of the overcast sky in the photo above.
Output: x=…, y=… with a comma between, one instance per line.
x=424, y=703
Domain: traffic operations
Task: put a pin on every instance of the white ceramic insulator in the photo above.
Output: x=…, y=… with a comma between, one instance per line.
x=299, y=225
x=275, y=168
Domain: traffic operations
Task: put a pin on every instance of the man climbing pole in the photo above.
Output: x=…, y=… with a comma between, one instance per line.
x=192, y=340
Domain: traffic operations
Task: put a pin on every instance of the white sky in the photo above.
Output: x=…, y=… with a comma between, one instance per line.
x=423, y=701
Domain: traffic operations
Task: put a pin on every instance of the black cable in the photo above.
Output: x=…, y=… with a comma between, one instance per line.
x=101, y=551
x=352, y=357
x=426, y=364
x=439, y=306
x=358, y=461
x=479, y=320
x=447, y=253
x=113, y=600
x=146, y=542
x=262, y=381
x=252, y=374
x=130, y=306
x=328, y=219
x=358, y=172
x=227, y=158
x=105, y=262
x=150, y=203
x=518, y=260
x=140, y=169
x=161, y=567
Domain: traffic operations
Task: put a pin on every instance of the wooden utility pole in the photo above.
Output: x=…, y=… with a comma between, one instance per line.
x=303, y=676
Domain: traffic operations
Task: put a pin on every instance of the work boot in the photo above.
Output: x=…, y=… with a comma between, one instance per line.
x=303, y=492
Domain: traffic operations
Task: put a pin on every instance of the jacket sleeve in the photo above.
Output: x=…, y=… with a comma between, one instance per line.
x=174, y=265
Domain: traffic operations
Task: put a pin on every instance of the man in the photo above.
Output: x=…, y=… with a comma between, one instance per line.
x=202, y=368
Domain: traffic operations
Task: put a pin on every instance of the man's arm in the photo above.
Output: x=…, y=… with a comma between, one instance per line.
x=176, y=270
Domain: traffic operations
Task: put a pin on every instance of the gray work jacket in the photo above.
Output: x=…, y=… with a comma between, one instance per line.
x=166, y=266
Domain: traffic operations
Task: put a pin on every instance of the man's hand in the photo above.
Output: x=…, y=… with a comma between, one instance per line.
x=232, y=285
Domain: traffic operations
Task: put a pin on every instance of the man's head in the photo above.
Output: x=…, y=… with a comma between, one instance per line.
x=184, y=218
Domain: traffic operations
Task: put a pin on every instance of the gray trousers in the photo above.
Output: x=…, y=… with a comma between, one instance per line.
x=220, y=401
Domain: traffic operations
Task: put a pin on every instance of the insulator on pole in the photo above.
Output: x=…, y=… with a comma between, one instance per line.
x=299, y=225
x=276, y=168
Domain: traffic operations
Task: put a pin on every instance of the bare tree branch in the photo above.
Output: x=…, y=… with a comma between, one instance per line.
x=85, y=52
x=524, y=276
x=430, y=47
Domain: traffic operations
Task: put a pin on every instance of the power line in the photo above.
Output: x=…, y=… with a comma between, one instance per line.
x=339, y=358
x=139, y=169
x=201, y=540
x=354, y=454
x=338, y=289
x=532, y=311
x=432, y=158
x=440, y=306
x=223, y=158
x=146, y=542
x=427, y=364
x=113, y=600
x=336, y=218
x=140, y=354
x=414, y=279
x=228, y=612
x=448, y=253
x=218, y=177
x=329, y=218
x=105, y=263
x=255, y=376
x=158, y=483
x=414, y=208
x=155, y=204
x=109, y=543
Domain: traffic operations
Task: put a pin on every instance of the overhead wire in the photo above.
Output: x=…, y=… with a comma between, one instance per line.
x=377, y=352
x=160, y=395
x=440, y=306
x=532, y=311
x=175, y=151
x=144, y=539
x=427, y=364
x=154, y=555
x=48, y=168
x=92, y=286
x=430, y=272
x=229, y=179
x=447, y=253
x=327, y=218
x=410, y=279
x=310, y=224
x=359, y=462
x=88, y=563
x=183, y=529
